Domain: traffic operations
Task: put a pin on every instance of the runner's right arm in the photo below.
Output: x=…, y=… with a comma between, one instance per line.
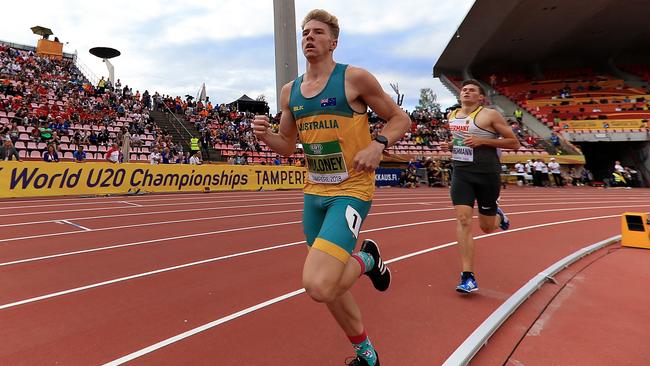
x=283, y=142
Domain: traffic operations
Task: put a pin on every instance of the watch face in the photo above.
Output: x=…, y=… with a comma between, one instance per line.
x=382, y=139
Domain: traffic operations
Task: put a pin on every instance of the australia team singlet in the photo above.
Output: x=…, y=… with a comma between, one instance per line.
x=332, y=134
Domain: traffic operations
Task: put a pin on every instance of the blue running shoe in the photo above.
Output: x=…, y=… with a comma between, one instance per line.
x=505, y=222
x=467, y=285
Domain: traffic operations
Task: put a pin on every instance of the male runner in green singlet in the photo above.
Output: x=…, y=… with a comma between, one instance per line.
x=327, y=108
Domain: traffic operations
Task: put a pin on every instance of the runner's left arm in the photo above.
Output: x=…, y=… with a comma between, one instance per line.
x=397, y=121
x=508, y=140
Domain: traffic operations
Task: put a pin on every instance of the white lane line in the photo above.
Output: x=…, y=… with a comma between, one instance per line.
x=153, y=223
x=200, y=202
x=296, y=193
x=154, y=213
x=34, y=259
x=131, y=203
x=76, y=225
x=176, y=195
x=418, y=197
x=179, y=197
x=202, y=328
x=131, y=277
x=143, y=242
x=121, y=279
x=289, y=295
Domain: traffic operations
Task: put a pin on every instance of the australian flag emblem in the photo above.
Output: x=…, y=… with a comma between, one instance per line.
x=328, y=102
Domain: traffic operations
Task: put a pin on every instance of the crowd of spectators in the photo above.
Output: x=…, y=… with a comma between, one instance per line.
x=50, y=99
x=48, y=102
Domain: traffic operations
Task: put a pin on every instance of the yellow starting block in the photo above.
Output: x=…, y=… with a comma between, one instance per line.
x=634, y=230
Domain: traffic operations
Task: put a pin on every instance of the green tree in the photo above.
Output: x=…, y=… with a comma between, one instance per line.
x=428, y=100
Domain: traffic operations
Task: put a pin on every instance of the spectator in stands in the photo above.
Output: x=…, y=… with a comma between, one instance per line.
x=520, y=169
x=528, y=167
x=136, y=141
x=574, y=174
x=519, y=114
x=277, y=160
x=531, y=141
x=8, y=151
x=35, y=135
x=194, y=145
x=93, y=139
x=554, y=167
x=545, y=178
x=206, y=141
x=113, y=154
x=178, y=159
x=103, y=137
x=196, y=158
x=79, y=155
x=166, y=156
x=587, y=177
x=537, y=172
x=46, y=132
x=155, y=157
x=555, y=140
x=101, y=85
x=51, y=156
x=84, y=137
x=12, y=131
x=618, y=168
x=632, y=177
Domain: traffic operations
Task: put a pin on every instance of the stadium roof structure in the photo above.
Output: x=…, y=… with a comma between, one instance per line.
x=497, y=34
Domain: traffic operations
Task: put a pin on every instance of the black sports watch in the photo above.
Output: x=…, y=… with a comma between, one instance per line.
x=382, y=140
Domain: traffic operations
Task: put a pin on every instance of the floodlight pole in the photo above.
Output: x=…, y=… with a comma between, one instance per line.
x=111, y=71
x=286, y=59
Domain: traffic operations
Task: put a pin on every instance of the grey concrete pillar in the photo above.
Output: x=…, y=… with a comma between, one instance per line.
x=286, y=62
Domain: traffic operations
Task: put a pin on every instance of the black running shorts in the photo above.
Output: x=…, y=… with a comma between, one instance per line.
x=484, y=188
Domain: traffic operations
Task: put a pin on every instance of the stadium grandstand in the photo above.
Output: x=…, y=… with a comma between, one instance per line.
x=574, y=71
x=55, y=101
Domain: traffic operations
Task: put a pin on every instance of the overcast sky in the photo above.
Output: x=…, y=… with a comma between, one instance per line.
x=174, y=46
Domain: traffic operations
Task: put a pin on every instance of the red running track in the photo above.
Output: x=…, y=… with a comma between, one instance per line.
x=187, y=279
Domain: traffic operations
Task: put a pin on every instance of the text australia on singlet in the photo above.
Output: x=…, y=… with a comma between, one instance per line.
x=325, y=161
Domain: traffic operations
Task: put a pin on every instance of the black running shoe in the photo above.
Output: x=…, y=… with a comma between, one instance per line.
x=379, y=274
x=358, y=361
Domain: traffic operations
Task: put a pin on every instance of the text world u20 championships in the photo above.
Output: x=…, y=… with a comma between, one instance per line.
x=26, y=178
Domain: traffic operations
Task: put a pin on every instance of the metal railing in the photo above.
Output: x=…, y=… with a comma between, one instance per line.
x=178, y=122
x=86, y=71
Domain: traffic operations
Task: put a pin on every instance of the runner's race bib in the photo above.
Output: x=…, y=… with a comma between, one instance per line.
x=460, y=152
x=325, y=162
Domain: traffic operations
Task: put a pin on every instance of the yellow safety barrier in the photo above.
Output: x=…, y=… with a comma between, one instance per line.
x=31, y=178
x=634, y=230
